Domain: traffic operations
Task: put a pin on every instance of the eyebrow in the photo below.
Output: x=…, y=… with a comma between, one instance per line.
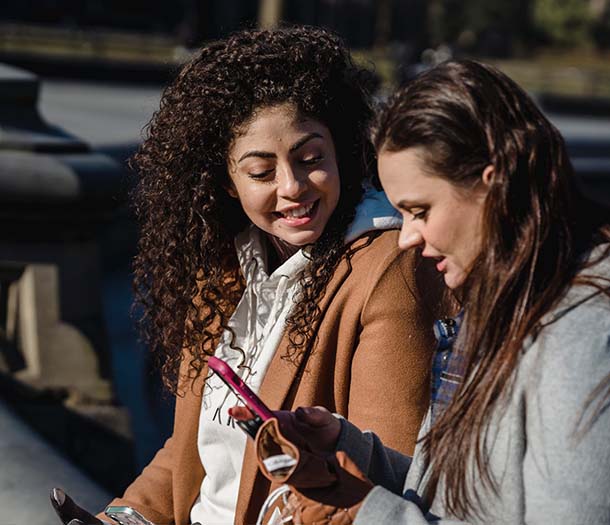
x=406, y=204
x=268, y=155
x=301, y=142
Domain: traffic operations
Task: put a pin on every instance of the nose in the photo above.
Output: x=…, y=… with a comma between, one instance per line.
x=409, y=237
x=291, y=185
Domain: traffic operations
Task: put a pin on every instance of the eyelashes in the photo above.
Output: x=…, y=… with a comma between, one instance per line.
x=312, y=161
x=420, y=215
x=261, y=174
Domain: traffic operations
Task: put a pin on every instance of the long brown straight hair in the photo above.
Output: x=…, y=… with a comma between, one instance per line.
x=538, y=228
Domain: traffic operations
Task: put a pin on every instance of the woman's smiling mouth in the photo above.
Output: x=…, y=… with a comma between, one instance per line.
x=298, y=215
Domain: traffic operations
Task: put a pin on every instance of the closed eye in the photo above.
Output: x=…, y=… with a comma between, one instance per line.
x=311, y=161
x=419, y=214
x=261, y=174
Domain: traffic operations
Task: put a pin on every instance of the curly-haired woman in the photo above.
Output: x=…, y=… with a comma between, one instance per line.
x=260, y=244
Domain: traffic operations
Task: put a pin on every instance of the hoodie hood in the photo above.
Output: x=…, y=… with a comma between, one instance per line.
x=373, y=213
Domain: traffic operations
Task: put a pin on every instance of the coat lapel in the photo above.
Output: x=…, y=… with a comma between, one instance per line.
x=274, y=390
x=189, y=470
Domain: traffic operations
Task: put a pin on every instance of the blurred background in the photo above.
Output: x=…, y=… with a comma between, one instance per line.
x=79, y=80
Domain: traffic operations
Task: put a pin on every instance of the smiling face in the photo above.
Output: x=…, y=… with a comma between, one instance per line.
x=283, y=170
x=444, y=219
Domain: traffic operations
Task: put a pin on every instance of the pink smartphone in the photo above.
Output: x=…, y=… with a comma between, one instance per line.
x=239, y=388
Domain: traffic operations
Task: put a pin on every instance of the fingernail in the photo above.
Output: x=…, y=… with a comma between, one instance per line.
x=58, y=495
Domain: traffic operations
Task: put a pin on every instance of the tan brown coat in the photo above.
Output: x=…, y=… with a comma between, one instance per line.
x=370, y=363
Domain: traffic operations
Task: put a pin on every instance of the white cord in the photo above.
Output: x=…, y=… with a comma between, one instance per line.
x=269, y=502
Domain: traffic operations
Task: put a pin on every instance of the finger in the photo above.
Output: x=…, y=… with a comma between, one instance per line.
x=241, y=413
x=58, y=497
x=291, y=428
x=314, y=416
x=68, y=510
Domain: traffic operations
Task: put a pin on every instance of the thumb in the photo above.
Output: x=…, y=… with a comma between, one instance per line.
x=68, y=510
x=314, y=416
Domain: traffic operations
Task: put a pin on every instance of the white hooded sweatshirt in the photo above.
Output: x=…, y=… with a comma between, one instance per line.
x=259, y=323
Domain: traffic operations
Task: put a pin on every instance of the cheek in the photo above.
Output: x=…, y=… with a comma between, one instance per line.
x=441, y=234
x=255, y=200
x=472, y=232
x=329, y=184
x=463, y=240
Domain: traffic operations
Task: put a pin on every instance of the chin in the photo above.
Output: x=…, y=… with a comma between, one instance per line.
x=454, y=280
x=300, y=239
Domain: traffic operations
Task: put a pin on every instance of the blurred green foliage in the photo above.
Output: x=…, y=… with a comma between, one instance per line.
x=503, y=28
x=481, y=26
x=566, y=23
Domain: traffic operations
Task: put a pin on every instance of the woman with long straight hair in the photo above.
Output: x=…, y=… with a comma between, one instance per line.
x=519, y=427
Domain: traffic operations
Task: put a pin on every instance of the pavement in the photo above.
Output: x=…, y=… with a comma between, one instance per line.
x=29, y=469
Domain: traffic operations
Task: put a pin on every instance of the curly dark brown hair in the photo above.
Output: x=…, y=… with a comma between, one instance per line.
x=187, y=277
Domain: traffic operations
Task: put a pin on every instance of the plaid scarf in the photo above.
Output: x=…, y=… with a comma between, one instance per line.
x=447, y=364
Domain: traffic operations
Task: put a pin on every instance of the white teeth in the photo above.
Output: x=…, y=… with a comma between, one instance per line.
x=297, y=213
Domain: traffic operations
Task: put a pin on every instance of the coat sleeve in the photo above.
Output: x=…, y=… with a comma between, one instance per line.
x=387, y=469
x=390, y=374
x=382, y=465
x=151, y=492
x=384, y=508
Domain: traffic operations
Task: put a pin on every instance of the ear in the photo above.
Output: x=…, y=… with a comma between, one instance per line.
x=488, y=175
x=231, y=190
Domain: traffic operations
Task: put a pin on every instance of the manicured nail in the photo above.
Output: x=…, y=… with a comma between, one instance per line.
x=58, y=495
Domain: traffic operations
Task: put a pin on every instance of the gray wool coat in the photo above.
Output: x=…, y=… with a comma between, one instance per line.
x=544, y=473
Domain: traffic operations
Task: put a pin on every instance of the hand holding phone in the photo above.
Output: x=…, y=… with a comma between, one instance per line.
x=236, y=384
x=310, y=428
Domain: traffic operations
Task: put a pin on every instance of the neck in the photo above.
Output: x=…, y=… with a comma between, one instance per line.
x=282, y=250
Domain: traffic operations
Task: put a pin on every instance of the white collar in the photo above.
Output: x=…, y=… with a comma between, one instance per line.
x=251, y=248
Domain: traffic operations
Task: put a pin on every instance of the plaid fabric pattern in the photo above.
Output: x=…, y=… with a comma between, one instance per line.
x=446, y=364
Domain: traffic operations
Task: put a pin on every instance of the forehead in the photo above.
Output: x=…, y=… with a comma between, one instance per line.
x=261, y=116
x=403, y=174
x=275, y=124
